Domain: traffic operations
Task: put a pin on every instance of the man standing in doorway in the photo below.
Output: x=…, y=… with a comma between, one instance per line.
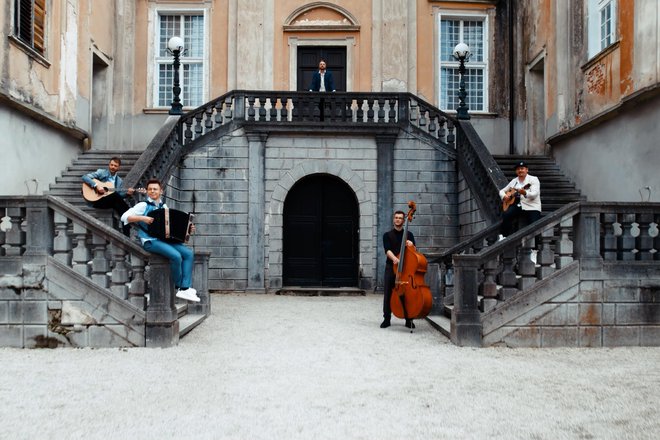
x=392, y=246
x=322, y=81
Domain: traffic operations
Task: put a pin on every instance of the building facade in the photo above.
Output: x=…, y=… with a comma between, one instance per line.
x=577, y=81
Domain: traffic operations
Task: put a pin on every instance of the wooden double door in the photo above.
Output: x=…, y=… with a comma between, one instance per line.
x=308, y=64
x=321, y=233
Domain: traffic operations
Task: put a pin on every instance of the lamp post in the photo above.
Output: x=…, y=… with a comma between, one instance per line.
x=462, y=55
x=175, y=47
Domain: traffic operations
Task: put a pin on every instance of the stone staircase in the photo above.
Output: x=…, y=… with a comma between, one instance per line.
x=68, y=187
x=556, y=189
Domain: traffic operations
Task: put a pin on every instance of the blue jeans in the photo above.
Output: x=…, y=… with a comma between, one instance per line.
x=181, y=260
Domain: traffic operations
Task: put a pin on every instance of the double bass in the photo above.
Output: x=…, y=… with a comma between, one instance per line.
x=411, y=297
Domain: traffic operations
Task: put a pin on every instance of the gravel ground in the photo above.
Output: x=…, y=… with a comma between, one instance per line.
x=283, y=367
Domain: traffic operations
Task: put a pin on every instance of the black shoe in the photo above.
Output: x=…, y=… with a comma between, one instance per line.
x=385, y=323
x=410, y=323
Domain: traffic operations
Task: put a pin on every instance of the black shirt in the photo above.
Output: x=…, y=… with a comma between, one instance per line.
x=392, y=242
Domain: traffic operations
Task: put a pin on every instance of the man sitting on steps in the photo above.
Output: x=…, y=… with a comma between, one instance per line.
x=110, y=199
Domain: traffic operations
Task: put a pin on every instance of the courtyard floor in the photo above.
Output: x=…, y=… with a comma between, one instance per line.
x=286, y=367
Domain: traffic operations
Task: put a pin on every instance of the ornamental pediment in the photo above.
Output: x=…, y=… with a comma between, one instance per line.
x=321, y=16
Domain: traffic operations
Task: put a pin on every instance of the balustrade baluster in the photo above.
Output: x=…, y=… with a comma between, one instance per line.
x=360, y=110
x=391, y=114
x=442, y=132
x=119, y=273
x=507, y=278
x=208, y=119
x=645, y=240
x=273, y=114
x=627, y=240
x=381, y=110
x=250, y=110
x=433, y=127
x=413, y=112
x=488, y=288
x=370, y=110
x=15, y=236
x=526, y=267
x=546, y=256
x=198, y=124
x=295, y=113
x=100, y=264
x=138, y=286
x=422, y=120
x=61, y=240
x=451, y=138
x=654, y=231
x=218, y=113
x=81, y=253
x=188, y=134
x=609, y=240
x=228, y=113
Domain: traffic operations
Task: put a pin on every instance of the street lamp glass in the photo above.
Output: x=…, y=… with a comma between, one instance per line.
x=461, y=51
x=175, y=43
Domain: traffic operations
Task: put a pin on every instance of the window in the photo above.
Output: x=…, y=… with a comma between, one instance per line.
x=470, y=30
x=601, y=25
x=190, y=27
x=30, y=23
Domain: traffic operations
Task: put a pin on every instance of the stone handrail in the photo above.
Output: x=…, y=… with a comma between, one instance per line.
x=592, y=233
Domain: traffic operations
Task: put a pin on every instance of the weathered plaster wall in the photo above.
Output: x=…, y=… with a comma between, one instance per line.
x=32, y=151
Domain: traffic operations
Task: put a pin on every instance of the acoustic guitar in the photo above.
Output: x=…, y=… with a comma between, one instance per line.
x=511, y=196
x=91, y=195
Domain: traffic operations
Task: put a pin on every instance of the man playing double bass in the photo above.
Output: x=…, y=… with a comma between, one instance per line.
x=392, y=245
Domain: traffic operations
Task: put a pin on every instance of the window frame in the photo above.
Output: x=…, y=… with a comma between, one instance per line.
x=483, y=65
x=595, y=40
x=38, y=23
x=156, y=60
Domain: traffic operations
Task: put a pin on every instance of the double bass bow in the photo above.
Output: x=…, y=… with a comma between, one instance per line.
x=411, y=297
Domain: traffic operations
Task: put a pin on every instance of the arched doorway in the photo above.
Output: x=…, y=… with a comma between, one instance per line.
x=320, y=233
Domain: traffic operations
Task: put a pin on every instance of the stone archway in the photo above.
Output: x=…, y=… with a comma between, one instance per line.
x=275, y=217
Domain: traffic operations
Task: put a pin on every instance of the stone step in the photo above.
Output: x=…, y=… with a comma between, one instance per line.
x=189, y=322
x=321, y=291
x=440, y=323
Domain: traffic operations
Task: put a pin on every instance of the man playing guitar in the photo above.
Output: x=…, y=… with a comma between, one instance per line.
x=521, y=200
x=110, y=195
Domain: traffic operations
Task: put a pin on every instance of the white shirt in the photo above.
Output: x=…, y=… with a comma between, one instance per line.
x=532, y=200
x=322, y=88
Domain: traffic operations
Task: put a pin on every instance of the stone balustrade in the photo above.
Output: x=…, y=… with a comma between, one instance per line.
x=485, y=275
x=45, y=240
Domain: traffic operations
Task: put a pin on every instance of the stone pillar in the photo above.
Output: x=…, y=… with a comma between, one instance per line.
x=256, y=211
x=201, y=283
x=587, y=240
x=162, y=327
x=385, y=184
x=39, y=230
x=465, y=318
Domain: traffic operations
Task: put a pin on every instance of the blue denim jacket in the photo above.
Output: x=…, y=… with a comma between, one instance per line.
x=103, y=174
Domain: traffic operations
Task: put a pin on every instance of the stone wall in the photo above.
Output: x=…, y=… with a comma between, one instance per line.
x=215, y=182
x=623, y=309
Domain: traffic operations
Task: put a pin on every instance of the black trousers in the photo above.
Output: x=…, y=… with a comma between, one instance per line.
x=388, y=285
x=117, y=204
x=515, y=212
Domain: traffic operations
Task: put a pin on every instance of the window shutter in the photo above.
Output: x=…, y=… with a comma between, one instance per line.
x=39, y=25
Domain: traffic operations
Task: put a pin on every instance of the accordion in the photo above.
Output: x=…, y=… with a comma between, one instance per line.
x=170, y=225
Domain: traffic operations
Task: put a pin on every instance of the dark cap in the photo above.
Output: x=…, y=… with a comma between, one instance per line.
x=520, y=164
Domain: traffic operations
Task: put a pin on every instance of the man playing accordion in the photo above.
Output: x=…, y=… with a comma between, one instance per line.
x=181, y=257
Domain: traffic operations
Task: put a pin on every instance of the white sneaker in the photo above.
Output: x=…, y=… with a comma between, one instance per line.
x=188, y=294
x=532, y=255
x=500, y=237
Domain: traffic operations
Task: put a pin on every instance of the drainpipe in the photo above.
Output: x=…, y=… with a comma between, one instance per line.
x=512, y=104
